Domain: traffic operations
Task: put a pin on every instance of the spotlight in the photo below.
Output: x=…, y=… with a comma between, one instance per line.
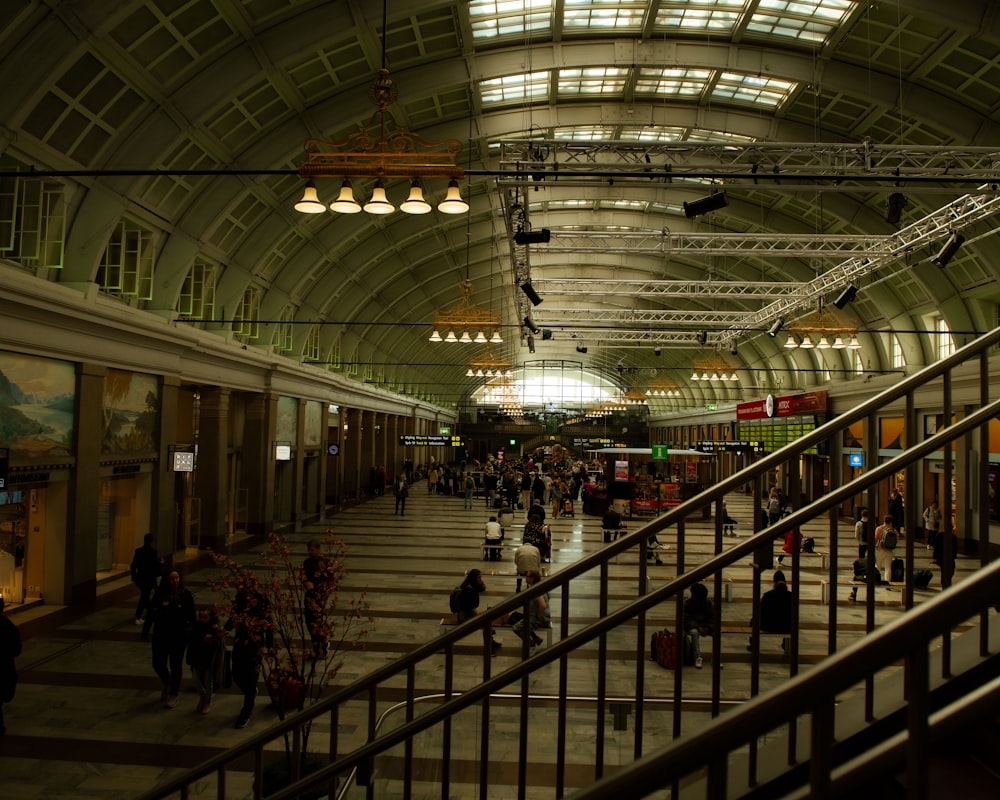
x=894, y=206
x=532, y=237
x=531, y=326
x=657, y=351
x=531, y=344
x=846, y=296
x=711, y=203
x=703, y=337
x=775, y=327
x=581, y=349
x=947, y=253
x=546, y=334
x=530, y=292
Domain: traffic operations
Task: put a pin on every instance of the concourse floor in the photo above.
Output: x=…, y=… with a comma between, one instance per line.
x=87, y=720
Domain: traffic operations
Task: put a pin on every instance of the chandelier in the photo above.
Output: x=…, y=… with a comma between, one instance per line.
x=507, y=396
x=634, y=397
x=823, y=329
x=662, y=387
x=466, y=322
x=489, y=366
x=713, y=368
x=382, y=151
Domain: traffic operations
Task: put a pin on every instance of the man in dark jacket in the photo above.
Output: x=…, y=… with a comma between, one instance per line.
x=10, y=648
x=171, y=616
x=145, y=570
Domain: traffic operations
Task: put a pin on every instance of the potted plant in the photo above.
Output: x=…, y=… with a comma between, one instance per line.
x=305, y=633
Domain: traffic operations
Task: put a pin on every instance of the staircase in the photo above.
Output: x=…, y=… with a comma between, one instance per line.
x=876, y=710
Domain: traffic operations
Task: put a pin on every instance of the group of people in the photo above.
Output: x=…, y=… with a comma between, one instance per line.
x=181, y=633
x=465, y=600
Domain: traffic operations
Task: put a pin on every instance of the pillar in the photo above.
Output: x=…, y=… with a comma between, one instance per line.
x=212, y=487
x=258, y=461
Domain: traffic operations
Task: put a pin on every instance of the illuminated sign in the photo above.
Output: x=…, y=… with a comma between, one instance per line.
x=739, y=446
x=430, y=440
x=183, y=461
x=787, y=406
x=856, y=460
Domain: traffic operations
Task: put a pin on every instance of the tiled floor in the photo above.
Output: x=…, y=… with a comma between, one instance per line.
x=87, y=719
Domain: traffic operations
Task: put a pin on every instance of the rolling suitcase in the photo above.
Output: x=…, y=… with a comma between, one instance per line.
x=567, y=508
x=897, y=570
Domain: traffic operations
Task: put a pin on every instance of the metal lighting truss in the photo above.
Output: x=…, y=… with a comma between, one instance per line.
x=712, y=244
x=835, y=164
x=964, y=211
x=620, y=317
x=749, y=290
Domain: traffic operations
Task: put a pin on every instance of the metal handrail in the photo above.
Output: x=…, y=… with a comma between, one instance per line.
x=405, y=665
x=804, y=694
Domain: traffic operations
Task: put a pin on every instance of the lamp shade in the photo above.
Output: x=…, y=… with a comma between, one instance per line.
x=310, y=204
x=415, y=203
x=480, y=337
x=465, y=338
x=379, y=203
x=435, y=336
x=453, y=202
x=495, y=338
x=807, y=342
x=451, y=337
x=345, y=202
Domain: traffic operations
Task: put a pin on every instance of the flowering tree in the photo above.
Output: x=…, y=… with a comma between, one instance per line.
x=303, y=634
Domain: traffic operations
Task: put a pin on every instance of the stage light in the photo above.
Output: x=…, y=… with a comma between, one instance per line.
x=947, y=253
x=894, y=206
x=846, y=296
x=711, y=203
x=530, y=293
x=531, y=326
x=523, y=237
x=775, y=327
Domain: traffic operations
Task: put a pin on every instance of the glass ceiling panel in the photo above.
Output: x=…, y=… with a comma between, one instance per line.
x=585, y=133
x=651, y=133
x=491, y=19
x=598, y=15
x=592, y=80
x=515, y=88
x=770, y=92
x=672, y=81
x=806, y=20
x=713, y=15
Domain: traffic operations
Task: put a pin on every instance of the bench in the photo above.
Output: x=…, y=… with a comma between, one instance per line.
x=747, y=630
x=825, y=587
x=450, y=620
x=492, y=552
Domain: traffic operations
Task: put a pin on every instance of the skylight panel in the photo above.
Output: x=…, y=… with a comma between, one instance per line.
x=672, y=81
x=760, y=91
x=592, y=80
x=806, y=20
x=515, y=88
x=584, y=133
x=627, y=205
x=704, y=135
x=651, y=133
x=604, y=14
x=494, y=18
x=699, y=15
x=554, y=204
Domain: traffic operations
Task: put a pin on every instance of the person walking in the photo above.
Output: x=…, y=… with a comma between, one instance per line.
x=204, y=656
x=861, y=533
x=932, y=523
x=886, y=538
x=469, y=490
x=432, y=479
x=539, y=614
x=250, y=619
x=171, y=619
x=527, y=558
x=699, y=618
x=316, y=574
x=10, y=648
x=401, y=490
x=145, y=569
x=896, y=508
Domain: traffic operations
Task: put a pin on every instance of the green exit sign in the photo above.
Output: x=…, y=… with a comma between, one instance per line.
x=660, y=452
x=447, y=431
x=513, y=442
x=710, y=407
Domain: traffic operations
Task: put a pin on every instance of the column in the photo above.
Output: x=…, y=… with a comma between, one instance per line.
x=258, y=461
x=212, y=486
x=367, y=449
x=163, y=521
x=79, y=581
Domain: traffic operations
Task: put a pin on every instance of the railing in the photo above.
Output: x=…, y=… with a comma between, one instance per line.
x=614, y=644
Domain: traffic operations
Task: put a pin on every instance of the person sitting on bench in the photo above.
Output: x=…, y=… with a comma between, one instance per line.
x=494, y=538
x=775, y=609
x=611, y=522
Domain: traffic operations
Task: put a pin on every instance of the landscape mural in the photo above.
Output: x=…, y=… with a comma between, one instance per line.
x=131, y=407
x=37, y=400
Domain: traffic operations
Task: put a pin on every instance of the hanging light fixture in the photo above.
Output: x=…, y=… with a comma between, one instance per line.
x=383, y=151
x=713, y=368
x=816, y=329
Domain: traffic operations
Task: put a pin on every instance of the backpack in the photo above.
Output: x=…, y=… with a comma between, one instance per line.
x=922, y=578
x=809, y=545
x=774, y=507
x=454, y=600
x=889, y=539
x=469, y=483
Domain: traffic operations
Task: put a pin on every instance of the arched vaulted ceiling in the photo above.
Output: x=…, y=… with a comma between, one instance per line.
x=188, y=119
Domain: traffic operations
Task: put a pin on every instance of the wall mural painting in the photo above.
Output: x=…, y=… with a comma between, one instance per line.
x=313, y=433
x=287, y=422
x=37, y=402
x=131, y=410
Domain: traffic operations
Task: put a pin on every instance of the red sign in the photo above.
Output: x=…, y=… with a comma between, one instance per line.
x=788, y=406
